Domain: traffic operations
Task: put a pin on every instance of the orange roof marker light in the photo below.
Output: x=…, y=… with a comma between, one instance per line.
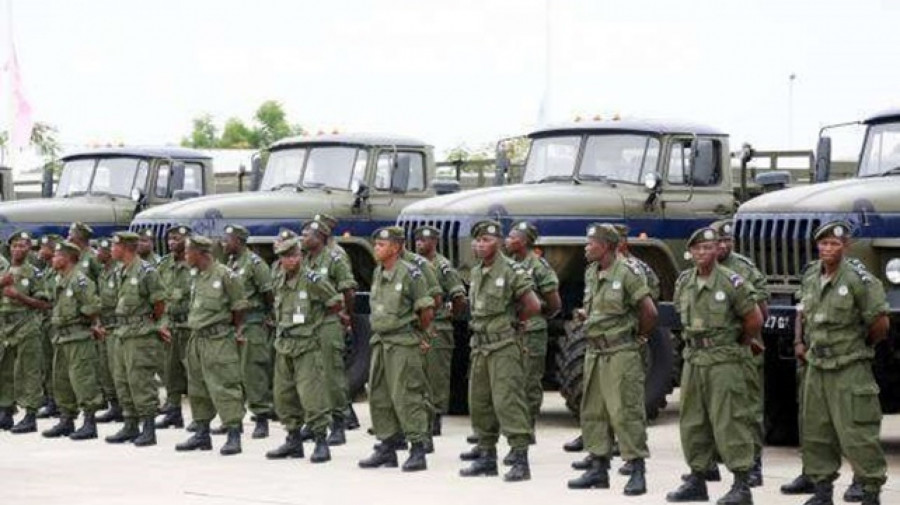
x=346, y=234
x=642, y=235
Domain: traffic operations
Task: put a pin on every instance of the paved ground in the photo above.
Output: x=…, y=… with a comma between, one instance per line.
x=34, y=470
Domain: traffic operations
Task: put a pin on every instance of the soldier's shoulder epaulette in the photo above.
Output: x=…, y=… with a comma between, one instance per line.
x=743, y=259
x=81, y=280
x=543, y=261
x=313, y=277
x=414, y=271
x=859, y=269
x=735, y=279
x=444, y=266
x=146, y=266
x=335, y=255
x=635, y=265
x=683, y=276
x=255, y=259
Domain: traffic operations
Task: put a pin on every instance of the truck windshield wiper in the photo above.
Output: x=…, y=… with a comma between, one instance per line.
x=595, y=177
x=893, y=171
x=553, y=178
x=295, y=185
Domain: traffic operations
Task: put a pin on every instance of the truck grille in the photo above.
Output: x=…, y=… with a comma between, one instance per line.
x=159, y=231
x=779, y=246
x=449, y=244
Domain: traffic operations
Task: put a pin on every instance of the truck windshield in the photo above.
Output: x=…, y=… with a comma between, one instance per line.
x=99, y=176
x=618, y=157
x=881, y=153
x=330, y=167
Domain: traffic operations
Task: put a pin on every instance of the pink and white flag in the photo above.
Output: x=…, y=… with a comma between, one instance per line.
x=22, y=120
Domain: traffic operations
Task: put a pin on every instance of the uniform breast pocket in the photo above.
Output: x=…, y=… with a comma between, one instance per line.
x=842, y=306
x=390, y=297
x=613, y=300
x=718, y=313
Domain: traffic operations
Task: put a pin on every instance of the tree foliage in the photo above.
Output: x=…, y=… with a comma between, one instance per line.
x=269, y=125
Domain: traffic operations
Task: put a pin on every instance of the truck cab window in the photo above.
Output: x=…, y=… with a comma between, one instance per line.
x=384, y=170
x=162, y=180
x=707, y=162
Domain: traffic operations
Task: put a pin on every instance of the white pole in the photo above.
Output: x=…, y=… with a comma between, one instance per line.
x=790, y=122
x=544, y=112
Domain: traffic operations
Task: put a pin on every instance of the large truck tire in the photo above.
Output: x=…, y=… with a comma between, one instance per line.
x=658, y=383
x=358, y=354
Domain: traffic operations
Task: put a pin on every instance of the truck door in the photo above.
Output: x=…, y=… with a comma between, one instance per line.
x=693, y=186
x=399, y=179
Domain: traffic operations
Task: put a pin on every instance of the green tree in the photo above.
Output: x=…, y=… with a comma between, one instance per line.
x=204, y=134
x=272, y=124
x=236, y=135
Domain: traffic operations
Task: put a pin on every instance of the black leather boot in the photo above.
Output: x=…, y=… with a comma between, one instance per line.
x=112, y=414
x=27, y=424
x=193, y=427
x=692, y=489
x=486, y=464
x=172, y=418
x=802, y=484
x=291, y=448
x=584, y=463
x=233, y=443
x=385, y=454
x=471, y=455
x=399, y=443
x=596, y=475
x=128, y=433
x=321, y=453
x=88, y=428
x=637, y=482
x=519, y=470
x=755, y=476
x=510, y=458
x=199, y=441
x=148, y=434
x=6, y=418
x=63, y=428
x=626, y=468
x=574, y=445
x=436, y=426
x=823, y=494
x=472, y=439
x=48, y=410
x=710, y=475
x=220, y=430
x=337, y=436
x=416, y=461
x=261, y=430
x=739, y=494
x=351, y=422
x=854, y=493
x=871, y=498
x=306, y=433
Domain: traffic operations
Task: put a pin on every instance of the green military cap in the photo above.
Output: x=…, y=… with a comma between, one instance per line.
x=394, y=233
x=724, y=228
x=125, y=237
x=68, y=247
x=836, y=229
x=104, y=243
x=81, y=229
x=287, y=246
x=524, y=227
x=51, y=239
x=238, y=231
x=487, y=227
x=427, y=232
x=200, y=243
x=148, y=233
x=705, y=234
x=181, y=229
x=327, y=219
x=18, y=235
x=622, y=229
x=603, y=231
x=319, y=226
x=286, y=233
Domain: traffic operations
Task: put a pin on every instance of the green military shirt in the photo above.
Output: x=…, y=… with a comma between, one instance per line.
x=301, y=304
x=74, y=303
x=332, y=264
x=108, y=292
x=494, y=293
x=745, y=267
x=837, y=313
x=451, y=287
x=397, y=294
x=89, y=264
x=152, y=258
x=175, y=277
x=545, y=281
x=254, y=275
x=612, y=299
x=28, y=280
x=712, y=311
x=648, y=273
x=427, y=269
x=215, y=293
x=139, y=289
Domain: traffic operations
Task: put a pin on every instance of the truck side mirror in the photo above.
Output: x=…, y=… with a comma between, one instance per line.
x=177, y=176
x=703, y=164
x=256, y=170
x=823, y=159
x=502, y=163
x=400, y=177
x=361, y=192
x=47, y=181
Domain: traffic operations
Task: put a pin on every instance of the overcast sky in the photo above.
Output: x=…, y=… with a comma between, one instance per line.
x=454, y=72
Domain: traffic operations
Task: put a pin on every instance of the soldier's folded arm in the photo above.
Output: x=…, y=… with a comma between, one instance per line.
x=529, y=305
x=647, y=316
x=799, y=345
x=752, y=325
x=552, y=303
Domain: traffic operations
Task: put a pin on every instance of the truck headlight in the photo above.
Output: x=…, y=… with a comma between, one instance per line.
x=892, y=271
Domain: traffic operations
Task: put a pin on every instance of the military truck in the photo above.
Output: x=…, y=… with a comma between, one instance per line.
x=361, y=179
x=663, y=179
x=105, y=188
x=776, y=231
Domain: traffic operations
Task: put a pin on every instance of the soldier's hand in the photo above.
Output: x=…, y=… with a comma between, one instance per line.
x=165, y=334
x=757, y=347
x=239, y=337
x=424, y=345
x=6, y=280
x=269, y=322
x=346, y=322
x=580, y=315
x=10, y=292
x=800, y=351
x=99, y=332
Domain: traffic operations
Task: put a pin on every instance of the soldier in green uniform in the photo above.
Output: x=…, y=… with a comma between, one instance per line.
x=303, y=300
x=756, y=361
x=75, y=320
x=520, y=246
x=720, y=317
x=139, y=309
x=844, y=315
x=618, y=315
x=216, y=320
x=439, y=358
x=402, y=311
x=256, y=352
x=145, y=247
x=175, y=275
x=45, y=252
x=335, y=267
x=502, y=301
x=108, y=292
x=80, y=234
x=21, y=359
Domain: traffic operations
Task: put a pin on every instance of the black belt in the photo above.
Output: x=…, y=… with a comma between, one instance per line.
x=120, y=320
x=702, y=342
x=609, y=341
x=823, y=351
x=215, y=329
x=178, y=318
x=65, y=331
x=13, y=318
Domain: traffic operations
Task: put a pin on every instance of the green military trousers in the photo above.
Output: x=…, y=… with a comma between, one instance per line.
x=614, y=398
x=301, y=396
x=47, y=353
x=496, y=396
x=214, y=379
x=75, y=385
x=715, y=416
x=134, y=370
x=755, y=372
x=438, y=361
x=331, y=336
x=535, y=365
x=257, y=368
x=21, y=367
x=176, y=366
x=105, y=358
x=842, y=416
x=398, y=391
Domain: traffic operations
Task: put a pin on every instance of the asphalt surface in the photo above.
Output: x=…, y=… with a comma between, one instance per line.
x=34, y=470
